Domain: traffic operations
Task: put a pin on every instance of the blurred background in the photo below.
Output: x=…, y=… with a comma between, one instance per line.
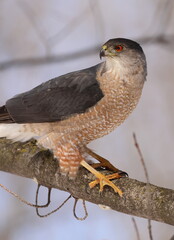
x=40, y=40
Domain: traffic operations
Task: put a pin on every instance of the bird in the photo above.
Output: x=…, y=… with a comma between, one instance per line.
x=68, y=112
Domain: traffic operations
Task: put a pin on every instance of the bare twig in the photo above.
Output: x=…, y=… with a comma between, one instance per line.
x=141, y=158
x=150, y=229
x=147, y=179
x=55, y=210
x=84, y=207
x=136, y=228
x=23, y=200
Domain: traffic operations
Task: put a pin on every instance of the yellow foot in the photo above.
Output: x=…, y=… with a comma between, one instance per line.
x=102, y=179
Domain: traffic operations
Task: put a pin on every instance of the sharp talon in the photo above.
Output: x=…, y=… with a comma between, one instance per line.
x=123, y=174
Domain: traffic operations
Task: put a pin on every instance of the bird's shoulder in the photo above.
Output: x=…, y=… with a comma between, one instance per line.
x=80, y=79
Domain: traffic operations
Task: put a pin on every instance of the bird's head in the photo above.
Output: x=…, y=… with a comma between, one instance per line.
x=120, y=47
x=123, y=52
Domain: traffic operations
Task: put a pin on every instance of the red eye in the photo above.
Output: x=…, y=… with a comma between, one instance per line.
x=119, y=48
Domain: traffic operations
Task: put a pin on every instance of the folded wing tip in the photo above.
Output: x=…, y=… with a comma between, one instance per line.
x=5, y=116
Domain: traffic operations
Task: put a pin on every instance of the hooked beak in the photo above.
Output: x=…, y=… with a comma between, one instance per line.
x=102, y=53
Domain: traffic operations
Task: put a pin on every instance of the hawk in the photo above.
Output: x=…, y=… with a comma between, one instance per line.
x=66, y=113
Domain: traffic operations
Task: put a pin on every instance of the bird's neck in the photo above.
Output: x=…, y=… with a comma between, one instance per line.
x=124, y=69
x=121, y=77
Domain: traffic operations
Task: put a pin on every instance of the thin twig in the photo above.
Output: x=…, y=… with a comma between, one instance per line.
x=150, y=229
x=55, y=210
x=141, y=158
x=23, y=200
x=136, y=228
x=147, y=178
x=84, y=207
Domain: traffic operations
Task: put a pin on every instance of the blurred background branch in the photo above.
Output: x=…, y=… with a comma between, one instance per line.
x=166, y=41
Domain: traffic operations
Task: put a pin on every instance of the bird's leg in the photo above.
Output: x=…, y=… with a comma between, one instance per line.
x=101, y=179
x=104, y=163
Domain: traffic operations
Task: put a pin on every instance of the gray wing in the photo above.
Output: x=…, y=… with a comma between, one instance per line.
x=55, y=99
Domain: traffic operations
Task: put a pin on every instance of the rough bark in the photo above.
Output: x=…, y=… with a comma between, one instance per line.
x=139, y=199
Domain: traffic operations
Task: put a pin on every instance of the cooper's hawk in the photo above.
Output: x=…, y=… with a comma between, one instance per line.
x=66, y=113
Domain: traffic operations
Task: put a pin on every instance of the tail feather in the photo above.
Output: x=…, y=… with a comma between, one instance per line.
x=4, y=116
x=16, y=132
x=11, y=130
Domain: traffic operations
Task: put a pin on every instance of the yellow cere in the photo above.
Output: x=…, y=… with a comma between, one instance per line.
x=104, y=47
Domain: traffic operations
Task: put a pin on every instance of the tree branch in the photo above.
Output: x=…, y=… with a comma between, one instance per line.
x=139, y=199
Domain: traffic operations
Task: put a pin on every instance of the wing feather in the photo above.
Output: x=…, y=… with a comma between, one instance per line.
x=57, y=98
